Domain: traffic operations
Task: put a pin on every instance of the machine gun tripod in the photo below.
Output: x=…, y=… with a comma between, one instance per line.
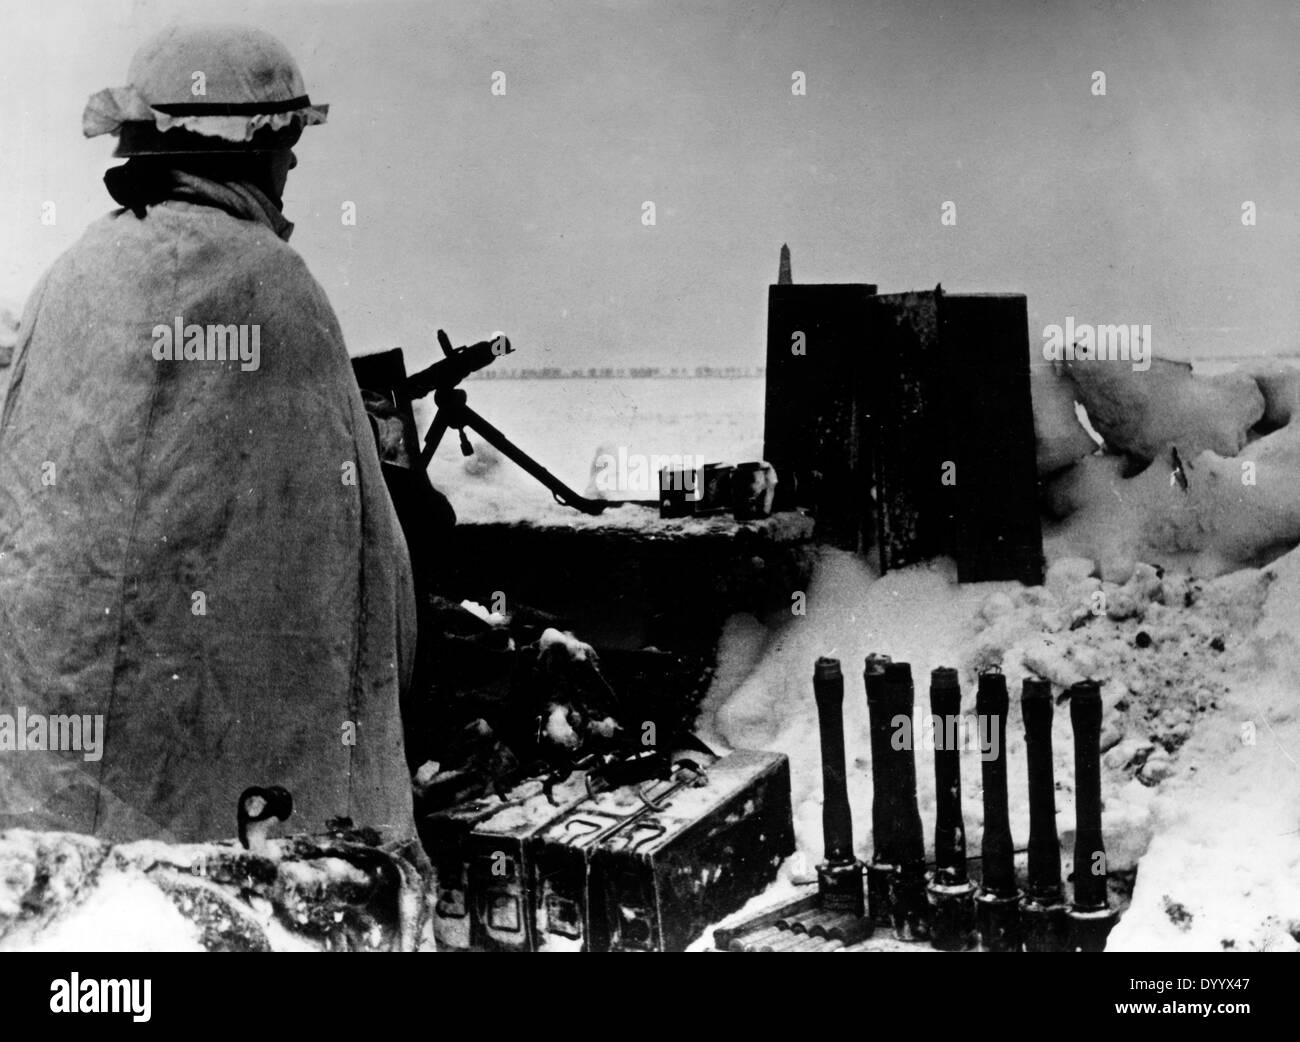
x=443, y=379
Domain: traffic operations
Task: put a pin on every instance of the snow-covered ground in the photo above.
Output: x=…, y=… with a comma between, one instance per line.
x=1201, y=677
x=1202, y=729
x=566, y=424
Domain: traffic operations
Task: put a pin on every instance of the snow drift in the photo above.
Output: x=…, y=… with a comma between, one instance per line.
x=1197, y=473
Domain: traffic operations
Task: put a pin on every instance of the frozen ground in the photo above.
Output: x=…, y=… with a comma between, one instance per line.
x=1201, y=677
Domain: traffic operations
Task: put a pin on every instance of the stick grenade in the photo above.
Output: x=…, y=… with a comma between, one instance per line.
x=1042, y=911
x=1091, y=918
x=908, y=898
x=951, y=895
x=881, y=871
x=839, y=878
x=998, y=903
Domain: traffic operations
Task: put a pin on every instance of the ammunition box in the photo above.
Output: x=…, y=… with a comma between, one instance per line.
x=482, y=863
x=570, y=913
x=705, y=850
x=639, y=867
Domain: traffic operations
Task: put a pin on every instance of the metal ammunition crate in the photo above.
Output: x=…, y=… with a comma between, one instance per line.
x=570, y=911
x=642, y=867
x=481, y=859
x=670, y=871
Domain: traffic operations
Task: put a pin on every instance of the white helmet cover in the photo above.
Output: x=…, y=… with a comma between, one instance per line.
x=222, y=82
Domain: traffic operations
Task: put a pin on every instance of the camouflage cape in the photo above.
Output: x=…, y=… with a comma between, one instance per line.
x=200, y=551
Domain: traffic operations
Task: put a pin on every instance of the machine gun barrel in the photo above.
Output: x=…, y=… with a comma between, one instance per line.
x=459, y=363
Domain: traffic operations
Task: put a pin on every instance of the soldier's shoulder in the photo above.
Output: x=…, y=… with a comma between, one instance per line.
x=262, y=251
x=272, y=264
x=249, y=250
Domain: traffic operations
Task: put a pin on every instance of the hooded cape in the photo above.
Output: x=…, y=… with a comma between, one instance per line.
x=199, y=551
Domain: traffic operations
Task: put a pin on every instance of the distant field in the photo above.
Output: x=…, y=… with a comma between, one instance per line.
x=564, y=423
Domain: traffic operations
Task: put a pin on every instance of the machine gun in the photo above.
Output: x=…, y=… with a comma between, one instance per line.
x=442, y=380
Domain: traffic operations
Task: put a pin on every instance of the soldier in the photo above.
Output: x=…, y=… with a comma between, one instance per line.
x=198, y=547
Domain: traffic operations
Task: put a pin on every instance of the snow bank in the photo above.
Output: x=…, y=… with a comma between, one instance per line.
x=1185, y=665
x=1218, y=460
x=1223, y=872
x=1059, y=437
x=1141, y=413
x=1206, y=515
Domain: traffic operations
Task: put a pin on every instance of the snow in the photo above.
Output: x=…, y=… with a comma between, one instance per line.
x=66, y=892
x=492, y=618
x=1228, y=500
x=1178, y=779
x=125, y=912
x=320, y=874
x=1193, y=658
x=565, y=644
x=566, y=424
x=1141, y=413
x=1223, y=871
x=1059, y=432
x=1220, y=490
x=1184, y=603
x=88, y=903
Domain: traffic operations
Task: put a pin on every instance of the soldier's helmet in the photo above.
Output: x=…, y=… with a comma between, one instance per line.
x=201, y=88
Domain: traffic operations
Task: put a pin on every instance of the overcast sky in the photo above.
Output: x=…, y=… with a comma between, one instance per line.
x=523, y=212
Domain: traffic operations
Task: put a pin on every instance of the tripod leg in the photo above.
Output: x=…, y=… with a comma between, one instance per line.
x=433, y=437
x=511, y=451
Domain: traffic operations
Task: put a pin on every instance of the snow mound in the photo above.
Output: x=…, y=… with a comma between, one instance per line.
x=1199, y=474
x=1059, y=436
x=1142, y=413
x=1201, y=722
